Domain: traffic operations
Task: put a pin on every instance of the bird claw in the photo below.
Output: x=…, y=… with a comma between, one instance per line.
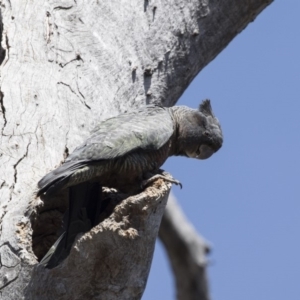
x=165, y=176
x=176, y=182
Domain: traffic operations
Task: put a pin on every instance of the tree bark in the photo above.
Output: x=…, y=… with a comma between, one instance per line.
x=65, y=65
x=114, y=258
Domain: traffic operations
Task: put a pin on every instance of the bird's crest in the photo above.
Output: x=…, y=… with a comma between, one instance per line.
x=205, y=108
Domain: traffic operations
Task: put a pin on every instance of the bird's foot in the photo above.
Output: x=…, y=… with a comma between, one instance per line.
x=163, y=175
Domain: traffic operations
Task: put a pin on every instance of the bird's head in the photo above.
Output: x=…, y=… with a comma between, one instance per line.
x=202, y=132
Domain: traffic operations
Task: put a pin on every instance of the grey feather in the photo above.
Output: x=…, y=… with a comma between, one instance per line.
x=56, y=179
x=126, y=133
x=119, y=153
x=205, y=108
x=111, y=139
x=151, y=132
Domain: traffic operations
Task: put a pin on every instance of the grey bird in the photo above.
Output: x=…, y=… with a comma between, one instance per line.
x=124, y=152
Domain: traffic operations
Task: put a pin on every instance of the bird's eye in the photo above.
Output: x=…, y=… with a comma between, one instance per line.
x=206, y=133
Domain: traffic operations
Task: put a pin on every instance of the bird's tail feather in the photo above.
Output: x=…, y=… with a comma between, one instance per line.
x=83, y=214
x=54, y=252
x=58, y=178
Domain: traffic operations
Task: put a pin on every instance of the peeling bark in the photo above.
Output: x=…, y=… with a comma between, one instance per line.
x=65, y=65
x=107, y=251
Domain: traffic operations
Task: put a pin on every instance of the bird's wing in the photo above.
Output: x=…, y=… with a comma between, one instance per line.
x=147, y=128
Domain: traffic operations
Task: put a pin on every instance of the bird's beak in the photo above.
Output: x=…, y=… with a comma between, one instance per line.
x=204, y=152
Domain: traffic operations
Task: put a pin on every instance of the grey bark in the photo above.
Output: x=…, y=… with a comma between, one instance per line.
x=100, y=265
x=64, y=66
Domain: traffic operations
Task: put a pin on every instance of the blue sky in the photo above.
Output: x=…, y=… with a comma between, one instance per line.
x=245, y=200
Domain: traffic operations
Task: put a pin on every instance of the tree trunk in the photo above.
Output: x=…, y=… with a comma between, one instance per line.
x=65, y=65
x=187, y=253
